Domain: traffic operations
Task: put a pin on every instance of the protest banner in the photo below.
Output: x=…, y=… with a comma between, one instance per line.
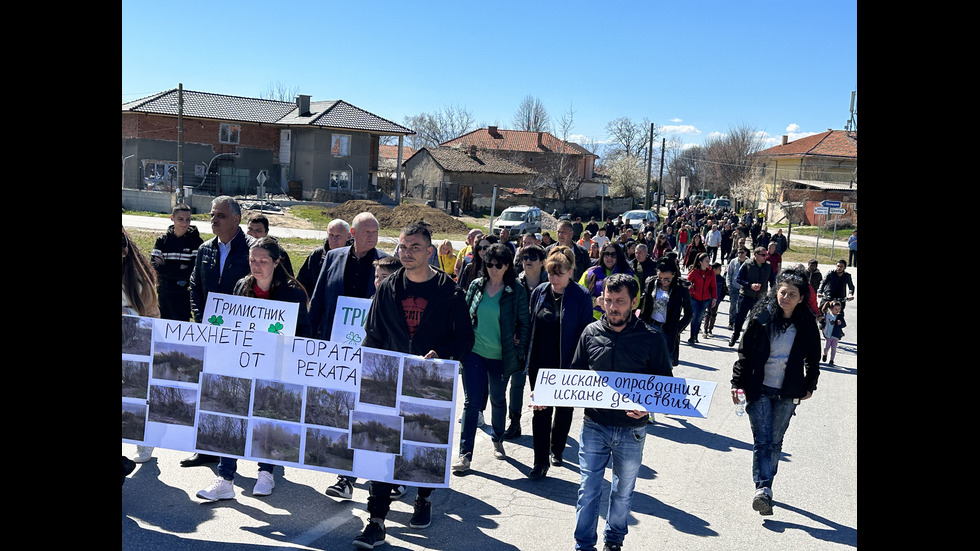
x=251, y=313
x=625, y=391
x=291, y=401
x=348, y=320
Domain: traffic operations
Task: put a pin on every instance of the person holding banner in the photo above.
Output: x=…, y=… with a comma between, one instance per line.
x=778, y=365
x=268, y=279
x=617, y=342
x=139, y=298
x=499, y=312
x=418, y=310
x=560, y=311
x=221, y=261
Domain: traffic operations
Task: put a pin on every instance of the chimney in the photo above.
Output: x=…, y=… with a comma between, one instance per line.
x=303, y=104
x=473, y=151
x=785, y=139
x=541, y=140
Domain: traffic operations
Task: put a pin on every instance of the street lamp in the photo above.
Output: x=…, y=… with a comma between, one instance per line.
x=124, y=168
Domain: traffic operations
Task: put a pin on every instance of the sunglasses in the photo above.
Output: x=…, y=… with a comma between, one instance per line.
x=608, y=253
x=530, y=258
x=496, y=265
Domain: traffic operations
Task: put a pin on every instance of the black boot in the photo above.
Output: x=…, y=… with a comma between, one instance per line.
x=514, y=429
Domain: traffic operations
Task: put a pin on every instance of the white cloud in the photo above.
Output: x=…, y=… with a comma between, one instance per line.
x=675, y=119
x=793, y=128
x=680, y=129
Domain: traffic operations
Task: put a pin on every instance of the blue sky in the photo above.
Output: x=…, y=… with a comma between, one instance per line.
x=695, y=68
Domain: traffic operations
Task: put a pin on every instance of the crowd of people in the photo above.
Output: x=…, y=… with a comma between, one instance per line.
x=505, y=311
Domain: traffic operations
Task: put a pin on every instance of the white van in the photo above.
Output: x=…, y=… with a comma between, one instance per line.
x=519, y=219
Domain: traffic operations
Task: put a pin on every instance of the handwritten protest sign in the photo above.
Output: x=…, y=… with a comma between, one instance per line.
x=624, y=391
x=292, y=401
x=348, y=320
x=251, y=313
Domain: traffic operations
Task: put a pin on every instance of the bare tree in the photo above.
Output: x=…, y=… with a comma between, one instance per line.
x=279, y=91
x=432, y=129
x=531, y=115
x=630, y=137
x=731, y=158
x=560, y=175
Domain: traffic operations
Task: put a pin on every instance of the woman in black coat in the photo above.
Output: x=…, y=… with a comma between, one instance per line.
x=777, y=367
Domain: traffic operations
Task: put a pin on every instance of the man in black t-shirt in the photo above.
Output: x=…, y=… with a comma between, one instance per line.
x=417, y=310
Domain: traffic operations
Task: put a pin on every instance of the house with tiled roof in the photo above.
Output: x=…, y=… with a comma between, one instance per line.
x=227, y=141
x=813, y=169
x=538, y=151
x=462, y=173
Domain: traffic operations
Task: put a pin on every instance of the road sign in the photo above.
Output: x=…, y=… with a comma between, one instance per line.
x=820, y=210
x=262, y=177
x=838, y=211
x=828, y=203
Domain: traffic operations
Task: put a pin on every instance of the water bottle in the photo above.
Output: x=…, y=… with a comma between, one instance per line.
x=740, y=408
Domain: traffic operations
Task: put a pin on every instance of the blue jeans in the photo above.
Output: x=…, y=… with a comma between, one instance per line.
x=597, y=444
x=698, y=308
x=482, y=378
x=516, y=394
x=769, y=417
x=732, y=306
x=228, y=466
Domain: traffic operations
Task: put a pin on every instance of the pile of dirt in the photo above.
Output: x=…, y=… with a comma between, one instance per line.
x=400, y=216
x=348, y=210
x=438, y=221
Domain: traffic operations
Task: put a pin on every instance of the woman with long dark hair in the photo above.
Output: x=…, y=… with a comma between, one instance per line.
x=499, y=313
x=778, y=366
x=267, y=279
x=694, y=248
x=474, y=268
x=139, y=298
x=560, y=311
x=612, y=261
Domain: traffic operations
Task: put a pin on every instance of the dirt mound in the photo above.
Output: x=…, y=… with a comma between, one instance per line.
x=348, y=210
x=439, y=221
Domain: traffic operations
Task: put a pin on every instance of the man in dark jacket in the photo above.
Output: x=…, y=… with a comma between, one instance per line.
x=347, y=271
x=173, y=257
x=221, y=262
x=836, y=285
x=616, y=342
x=338, y=235
x=417, y=310
x=755, y=276
x=582, y=262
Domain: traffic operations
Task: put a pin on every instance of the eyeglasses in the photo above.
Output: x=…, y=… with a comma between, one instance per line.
x=496, y=265
x=530, y=258
x=609, y=253
x=479, y=248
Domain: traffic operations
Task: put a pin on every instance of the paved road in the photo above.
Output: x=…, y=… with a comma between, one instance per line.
x=694, y=491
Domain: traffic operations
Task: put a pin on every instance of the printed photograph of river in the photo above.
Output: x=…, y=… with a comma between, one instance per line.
x=177, y=362
x=431, y=424
x=428, y=379
x=376, y=432
x=379, y=379
x=421, y=465
x=328, y=448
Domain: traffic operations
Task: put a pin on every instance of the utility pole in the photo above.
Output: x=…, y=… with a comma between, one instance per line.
x=646, y=196
x=180, y=140
x=660, y=181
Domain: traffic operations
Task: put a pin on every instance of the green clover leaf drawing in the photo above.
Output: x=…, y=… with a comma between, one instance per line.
x=216, y=320
x=275, y=328
x=353, y=338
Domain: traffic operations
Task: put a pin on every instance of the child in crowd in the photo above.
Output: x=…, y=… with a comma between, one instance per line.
x=447, y=258
x=832, y=326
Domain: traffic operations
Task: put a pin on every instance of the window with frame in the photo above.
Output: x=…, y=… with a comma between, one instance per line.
x=340, y=145
x=229, y=133
x=339, y=180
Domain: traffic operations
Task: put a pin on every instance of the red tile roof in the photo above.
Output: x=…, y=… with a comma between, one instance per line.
x=391, y=152
x=491, y=138
x=832, y=143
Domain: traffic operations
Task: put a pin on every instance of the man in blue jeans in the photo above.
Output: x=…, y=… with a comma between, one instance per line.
x=616, y=342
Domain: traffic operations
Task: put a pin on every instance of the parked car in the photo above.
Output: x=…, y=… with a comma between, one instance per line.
x=519, y=219
x=720, y=203
x=638, y=218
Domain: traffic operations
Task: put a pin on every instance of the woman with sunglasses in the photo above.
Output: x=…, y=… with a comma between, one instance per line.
x=560, y=310
x=499, y=311
x=613, y=261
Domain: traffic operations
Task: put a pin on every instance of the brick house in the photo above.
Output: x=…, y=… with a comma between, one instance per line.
x=302, y=146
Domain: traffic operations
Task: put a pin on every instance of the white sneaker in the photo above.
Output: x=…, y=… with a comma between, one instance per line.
x=462, y=464
x=143, y=454
x=264, y=485
x=219, y=489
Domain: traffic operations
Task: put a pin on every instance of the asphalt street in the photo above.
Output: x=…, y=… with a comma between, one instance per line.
x=694, y=491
